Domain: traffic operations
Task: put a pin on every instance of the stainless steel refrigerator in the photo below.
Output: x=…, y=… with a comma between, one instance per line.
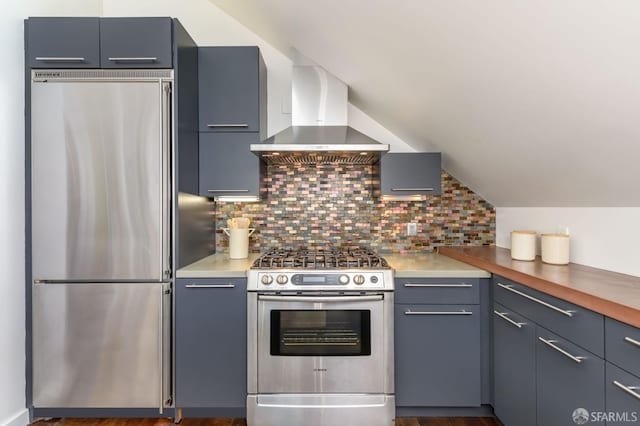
x=101, y=241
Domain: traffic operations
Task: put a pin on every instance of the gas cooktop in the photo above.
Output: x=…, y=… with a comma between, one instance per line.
x=348, y=257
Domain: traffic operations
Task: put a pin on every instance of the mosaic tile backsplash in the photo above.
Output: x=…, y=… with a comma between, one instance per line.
x=320, y=204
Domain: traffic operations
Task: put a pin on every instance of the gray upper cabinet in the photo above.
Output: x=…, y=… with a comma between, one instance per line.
x=63, y=42
x=405, y=174
x=227, y=166
x=136, y=42
x=233, y=90
x=211, y=343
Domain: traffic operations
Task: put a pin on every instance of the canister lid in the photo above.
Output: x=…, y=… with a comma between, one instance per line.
x=555, y=235
x=524, y=232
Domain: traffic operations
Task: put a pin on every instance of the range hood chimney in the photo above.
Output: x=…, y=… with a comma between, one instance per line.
x=320, y=132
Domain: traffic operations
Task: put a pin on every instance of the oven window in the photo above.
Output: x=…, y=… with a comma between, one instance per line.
x=320, y=333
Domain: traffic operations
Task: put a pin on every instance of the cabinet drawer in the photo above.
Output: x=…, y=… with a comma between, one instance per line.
x=135, y=43
x=63, y=43
x=622, y=393
x=568, y=377
x=438, y=290
x=580, y=325
x=623, y=345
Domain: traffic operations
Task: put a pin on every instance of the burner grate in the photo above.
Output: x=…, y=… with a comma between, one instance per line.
x=322, y=258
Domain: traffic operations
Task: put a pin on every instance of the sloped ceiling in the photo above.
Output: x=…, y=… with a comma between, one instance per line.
x=532, y=103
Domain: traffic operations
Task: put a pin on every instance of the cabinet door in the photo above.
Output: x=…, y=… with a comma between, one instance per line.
x=135, y=43
x=211, y=342
x=229, y=93
x=227, y=166
x=514, y=368
x=623, y=397
x=569, y=378
x=413, y=173
x=63, y=43
x=437, y=355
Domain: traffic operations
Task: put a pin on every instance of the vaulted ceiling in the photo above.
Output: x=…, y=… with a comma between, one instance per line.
x=532, y=103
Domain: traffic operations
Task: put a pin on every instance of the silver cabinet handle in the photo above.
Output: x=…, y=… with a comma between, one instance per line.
x=240, y=125
x=463, y=312
x=551, y=344
x=227, y=190
x=628, y=389
x=462, y=285
x=632, y=341
x=210, y=286
x=504, y=316
x=534, y=299
x=58, y=59
x=135, y=59
x=412, y=189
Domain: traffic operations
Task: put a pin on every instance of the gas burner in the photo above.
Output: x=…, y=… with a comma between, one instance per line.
x=349, y=257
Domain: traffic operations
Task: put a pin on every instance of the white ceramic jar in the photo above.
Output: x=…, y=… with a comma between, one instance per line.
x=555, y=248
x=523, y=245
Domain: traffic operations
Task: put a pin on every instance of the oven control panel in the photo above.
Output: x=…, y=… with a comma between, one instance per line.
x=343, y=280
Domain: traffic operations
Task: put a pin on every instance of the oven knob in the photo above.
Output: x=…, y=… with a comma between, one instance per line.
x=343, y=279
x=266, y=279
x=282, y=279
x=358, y=279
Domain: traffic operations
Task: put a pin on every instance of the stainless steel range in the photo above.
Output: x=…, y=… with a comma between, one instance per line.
x=320, y=338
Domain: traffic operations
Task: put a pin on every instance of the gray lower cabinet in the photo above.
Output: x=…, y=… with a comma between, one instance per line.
x=211, y=343
x=622, y=396
x=227, y=166
x=232, y=89
x=136, y=43
x=407, y=174
x=53, y=42
x=568, y=378
x=514, y=368
x=437, y=355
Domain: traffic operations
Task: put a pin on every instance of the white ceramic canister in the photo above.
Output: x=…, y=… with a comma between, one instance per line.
x=238, y=242
x=523, y=245
x=555, y=248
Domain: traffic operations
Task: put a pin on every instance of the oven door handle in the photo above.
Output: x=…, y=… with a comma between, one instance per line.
x=316, y=299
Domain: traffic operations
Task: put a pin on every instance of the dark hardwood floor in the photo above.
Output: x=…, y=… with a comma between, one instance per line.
x=400, y=421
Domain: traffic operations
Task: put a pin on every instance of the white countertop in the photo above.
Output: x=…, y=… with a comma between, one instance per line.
x=218, y=265
x=430, y=265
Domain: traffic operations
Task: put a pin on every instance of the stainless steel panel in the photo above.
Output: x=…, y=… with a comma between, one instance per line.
x=320, y=410
x=100, y=345
x=324, y=374
x=100, y=175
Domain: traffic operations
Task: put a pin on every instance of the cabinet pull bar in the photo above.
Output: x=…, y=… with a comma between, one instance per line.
x=628, y=389
x=134, y=59
x=632, y=341
x=463, y=312
x=58, y=59
x=504, y=316
x=242, y=125
x=551, y=344
x=227, y=190
x=412, y=189
x=439, y=285
x=210, y=286
x=534, y=299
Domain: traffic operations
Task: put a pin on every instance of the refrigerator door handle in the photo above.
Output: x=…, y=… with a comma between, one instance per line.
x=165, y=123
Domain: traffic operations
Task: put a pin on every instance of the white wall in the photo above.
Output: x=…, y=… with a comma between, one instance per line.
x=601, y=237
x=12, y=331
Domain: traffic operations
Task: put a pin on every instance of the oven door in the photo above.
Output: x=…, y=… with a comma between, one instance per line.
x=321, y=344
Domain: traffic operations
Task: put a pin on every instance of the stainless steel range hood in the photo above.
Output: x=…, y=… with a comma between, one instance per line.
x=320, y=133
